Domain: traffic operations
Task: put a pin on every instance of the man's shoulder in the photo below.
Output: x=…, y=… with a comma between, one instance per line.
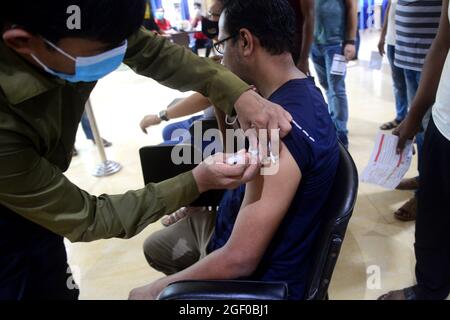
x=299, y=94
x=292, y=88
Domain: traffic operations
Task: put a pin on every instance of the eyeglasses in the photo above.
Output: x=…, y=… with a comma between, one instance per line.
x=220, y=46
x=213, y=14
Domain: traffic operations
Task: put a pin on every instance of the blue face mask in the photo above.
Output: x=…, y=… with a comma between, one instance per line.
x=89, y=69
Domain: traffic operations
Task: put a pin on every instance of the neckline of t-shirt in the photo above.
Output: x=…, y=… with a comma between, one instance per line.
x=297, y=80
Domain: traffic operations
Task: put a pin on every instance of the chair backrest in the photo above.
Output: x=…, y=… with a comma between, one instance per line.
x=203, y=125
x=338, y=211
x=157, y=165
x=181, y=38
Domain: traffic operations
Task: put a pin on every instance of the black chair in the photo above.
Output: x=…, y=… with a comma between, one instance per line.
x=203, y=125
x=158, y=165
x=338, y=211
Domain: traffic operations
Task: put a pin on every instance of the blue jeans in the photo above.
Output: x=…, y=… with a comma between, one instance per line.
x=412, y=83
x=169, y=135
x=400, y=88
x=86, y=125
x=334, y=85
x=412, y=78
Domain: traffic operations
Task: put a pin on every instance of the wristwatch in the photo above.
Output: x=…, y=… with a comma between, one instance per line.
x=353, y=42
x=163, y=116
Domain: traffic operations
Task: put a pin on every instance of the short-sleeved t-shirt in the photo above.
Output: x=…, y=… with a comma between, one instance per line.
x=417, y=23
x=164, y=24
x=313, y=144
x=390, y=34
x=441, y=109
x=330, y=21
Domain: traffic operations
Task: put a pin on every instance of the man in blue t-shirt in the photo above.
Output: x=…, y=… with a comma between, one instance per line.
x=265, y=230
x=335, y=34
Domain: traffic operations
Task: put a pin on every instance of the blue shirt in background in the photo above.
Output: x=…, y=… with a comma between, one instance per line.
x=315, y=149
x=330, y=21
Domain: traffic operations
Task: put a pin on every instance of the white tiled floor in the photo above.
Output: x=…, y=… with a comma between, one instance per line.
x=109, y=269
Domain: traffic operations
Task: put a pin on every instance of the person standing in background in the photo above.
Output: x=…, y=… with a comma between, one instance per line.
x=304, y=10
x=388, y=37
x=417, y=23
x=201, y=40
x=432, y=239
x=335, y=34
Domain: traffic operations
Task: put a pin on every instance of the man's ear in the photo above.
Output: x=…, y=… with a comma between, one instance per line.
x=20, y=41
x=247, y=42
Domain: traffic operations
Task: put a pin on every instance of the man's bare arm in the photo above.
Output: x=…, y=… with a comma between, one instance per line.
x=352, y=28
x=267, y=200
x=307, y=7
x=382, y=41
x=352, y=19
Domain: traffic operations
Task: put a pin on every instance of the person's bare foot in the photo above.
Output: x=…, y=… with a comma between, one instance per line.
x=408, y=184
x=408, y=211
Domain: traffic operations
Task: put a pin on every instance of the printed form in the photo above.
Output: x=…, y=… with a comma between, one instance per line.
x=386, y=168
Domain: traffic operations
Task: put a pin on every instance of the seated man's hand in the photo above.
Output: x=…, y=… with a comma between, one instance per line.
x=226, y=171
x=148, y=292
x=148, y=121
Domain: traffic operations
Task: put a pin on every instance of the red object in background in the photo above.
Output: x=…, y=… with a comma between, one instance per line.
x=198, y=35
x=164, y=24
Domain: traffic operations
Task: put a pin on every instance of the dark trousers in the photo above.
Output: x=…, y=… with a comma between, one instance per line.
x=203, y=43
x=33, y=262
x=432, y=245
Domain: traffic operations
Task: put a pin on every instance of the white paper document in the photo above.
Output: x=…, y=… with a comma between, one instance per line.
x=376, y=61
x=339, y=66
x=386, y=168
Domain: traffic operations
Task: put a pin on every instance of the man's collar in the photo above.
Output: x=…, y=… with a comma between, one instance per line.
x=19, y=80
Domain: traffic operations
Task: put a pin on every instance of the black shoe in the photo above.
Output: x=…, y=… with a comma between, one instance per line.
x=106, y=143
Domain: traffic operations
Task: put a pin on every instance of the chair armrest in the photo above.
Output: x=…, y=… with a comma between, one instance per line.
x=225, y=290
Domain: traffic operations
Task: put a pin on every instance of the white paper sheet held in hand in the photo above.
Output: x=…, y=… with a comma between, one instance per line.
x=339, y=65
x=387, y=168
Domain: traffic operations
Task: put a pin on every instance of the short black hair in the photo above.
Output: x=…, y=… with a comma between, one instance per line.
x=108, y=21
x=271, y=21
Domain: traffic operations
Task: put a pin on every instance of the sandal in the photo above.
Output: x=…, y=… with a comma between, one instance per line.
x=408, y=211
x=390, y=125
x=405, y=294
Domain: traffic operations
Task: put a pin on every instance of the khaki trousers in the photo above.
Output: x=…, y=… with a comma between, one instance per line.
x=181, y=245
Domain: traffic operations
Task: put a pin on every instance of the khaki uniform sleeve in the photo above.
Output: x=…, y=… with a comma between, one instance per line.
x=37, y=190
x=178, y=68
